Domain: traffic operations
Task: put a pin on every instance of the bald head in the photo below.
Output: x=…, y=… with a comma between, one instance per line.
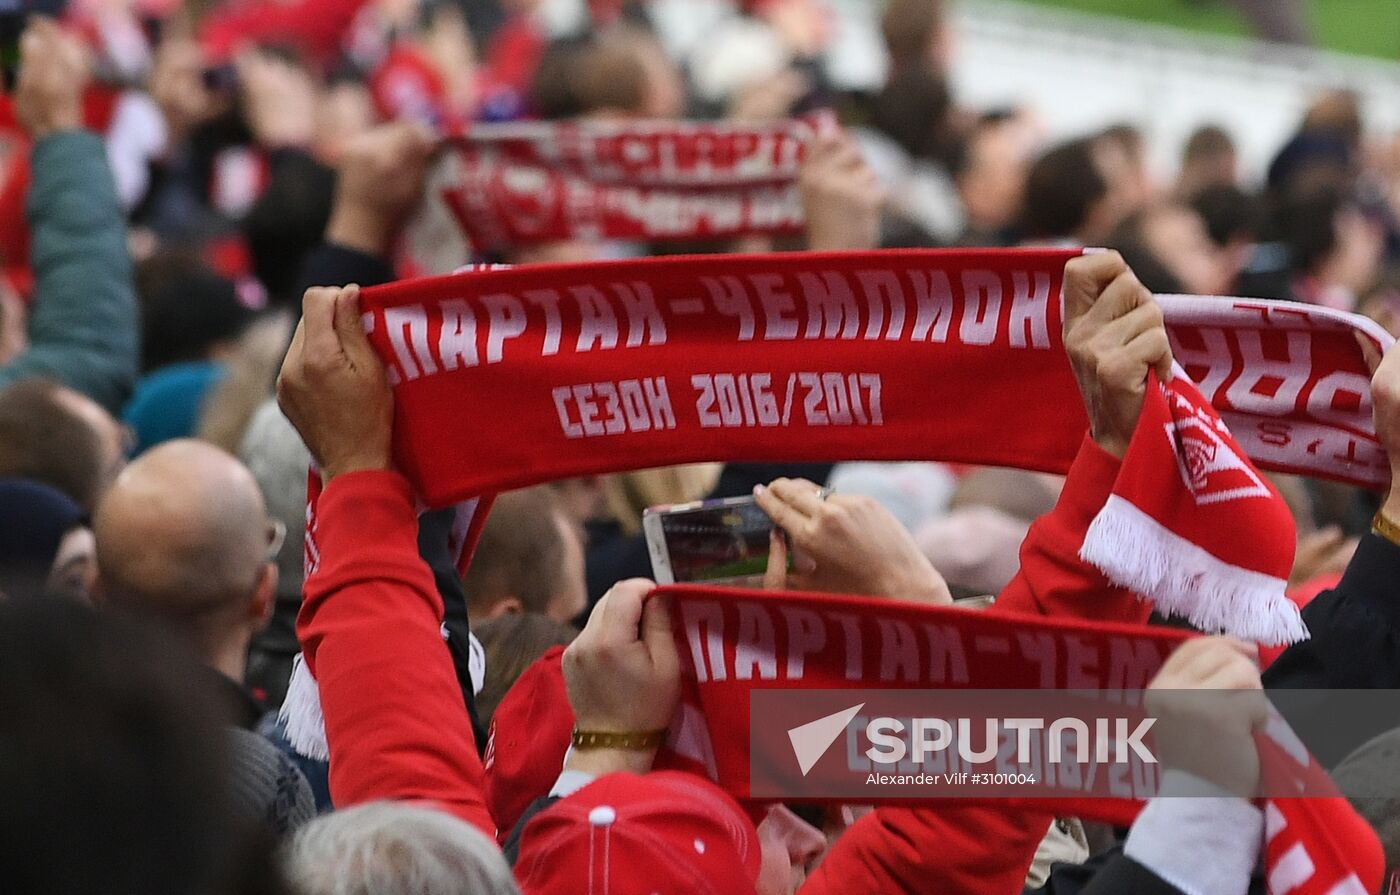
x=182, y=530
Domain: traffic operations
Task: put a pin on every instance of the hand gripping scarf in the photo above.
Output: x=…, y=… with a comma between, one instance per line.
x=735, y=642
x=509, y=377
x=505, y=378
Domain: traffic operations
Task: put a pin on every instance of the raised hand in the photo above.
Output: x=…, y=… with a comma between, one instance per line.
x=53, y=69
x=1113, y=334
x=1385, y=407
x=1209, y=701
x=841, y=196
x=333, y=387
x=623, y=674
x=279, y=99
x=381, y=175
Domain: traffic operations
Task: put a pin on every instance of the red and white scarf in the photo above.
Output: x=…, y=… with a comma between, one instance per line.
x=509, y=377
x=734, y=641
x=524, y=183
x=1168, y=530
x=928, y=354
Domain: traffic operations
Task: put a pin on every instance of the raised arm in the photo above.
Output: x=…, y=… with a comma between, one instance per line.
x=1113, y=334
x=83, y=323
x=395, y=721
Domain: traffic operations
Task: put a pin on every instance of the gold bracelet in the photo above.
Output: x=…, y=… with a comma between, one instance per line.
x=1386, y=527
x=596, y=739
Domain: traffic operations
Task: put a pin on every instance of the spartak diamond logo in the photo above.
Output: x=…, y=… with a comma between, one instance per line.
x=1210, y=466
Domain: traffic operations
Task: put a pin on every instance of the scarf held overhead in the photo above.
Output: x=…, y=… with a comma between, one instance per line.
x=516, y=184
x=507, y=378
x=735, y=644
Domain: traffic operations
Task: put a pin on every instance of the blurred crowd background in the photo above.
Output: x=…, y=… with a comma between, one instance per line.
x=243, y=137
x=149, y=284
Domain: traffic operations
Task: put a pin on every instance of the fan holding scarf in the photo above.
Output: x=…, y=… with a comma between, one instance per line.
x=331, y=364
x=369, y=613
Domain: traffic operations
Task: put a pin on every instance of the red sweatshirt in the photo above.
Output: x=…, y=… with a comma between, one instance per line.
x=397, y=728
x=369, y=628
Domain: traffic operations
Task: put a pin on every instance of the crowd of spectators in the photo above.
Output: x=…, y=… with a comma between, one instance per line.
x=184, y=184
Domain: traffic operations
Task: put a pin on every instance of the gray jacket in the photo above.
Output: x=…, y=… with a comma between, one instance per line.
x=84, y=324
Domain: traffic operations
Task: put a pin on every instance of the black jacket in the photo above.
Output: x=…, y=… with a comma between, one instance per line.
x=1355, y=645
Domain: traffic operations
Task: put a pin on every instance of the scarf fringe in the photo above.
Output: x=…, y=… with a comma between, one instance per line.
x=1139, y=553
x=303, y=723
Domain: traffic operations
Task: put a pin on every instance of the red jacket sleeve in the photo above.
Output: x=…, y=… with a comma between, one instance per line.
x=1053, y=580
x=986, y=849
x=370, y=630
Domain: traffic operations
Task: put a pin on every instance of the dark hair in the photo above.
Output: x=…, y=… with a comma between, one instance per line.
x=186, y=309
x=1206, y=142
x=959, y=156
x=287, y=221
x=112, y=767
x=604, y=70
x=610, y=75
x=520, y=553
x=1130, y=240
x=512, y=643
x=913, y=110
x=1307, y=221
x=909, y=27
x=1060, y=189
x=1127, y=136
x=554, y=90
x=43, y=439
x=1309, y=156
x=1229, y=213
x=1338, y=112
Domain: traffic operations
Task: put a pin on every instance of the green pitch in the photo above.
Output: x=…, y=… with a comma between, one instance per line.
x=1367, y=27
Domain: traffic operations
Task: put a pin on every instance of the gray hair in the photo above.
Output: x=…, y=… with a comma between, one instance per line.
x=273, y=452
x=391, y=848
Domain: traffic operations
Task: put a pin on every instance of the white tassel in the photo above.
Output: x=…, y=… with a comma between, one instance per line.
x=305, y=725
x=476, y=661
x=301, y=714
x=1181, y=578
